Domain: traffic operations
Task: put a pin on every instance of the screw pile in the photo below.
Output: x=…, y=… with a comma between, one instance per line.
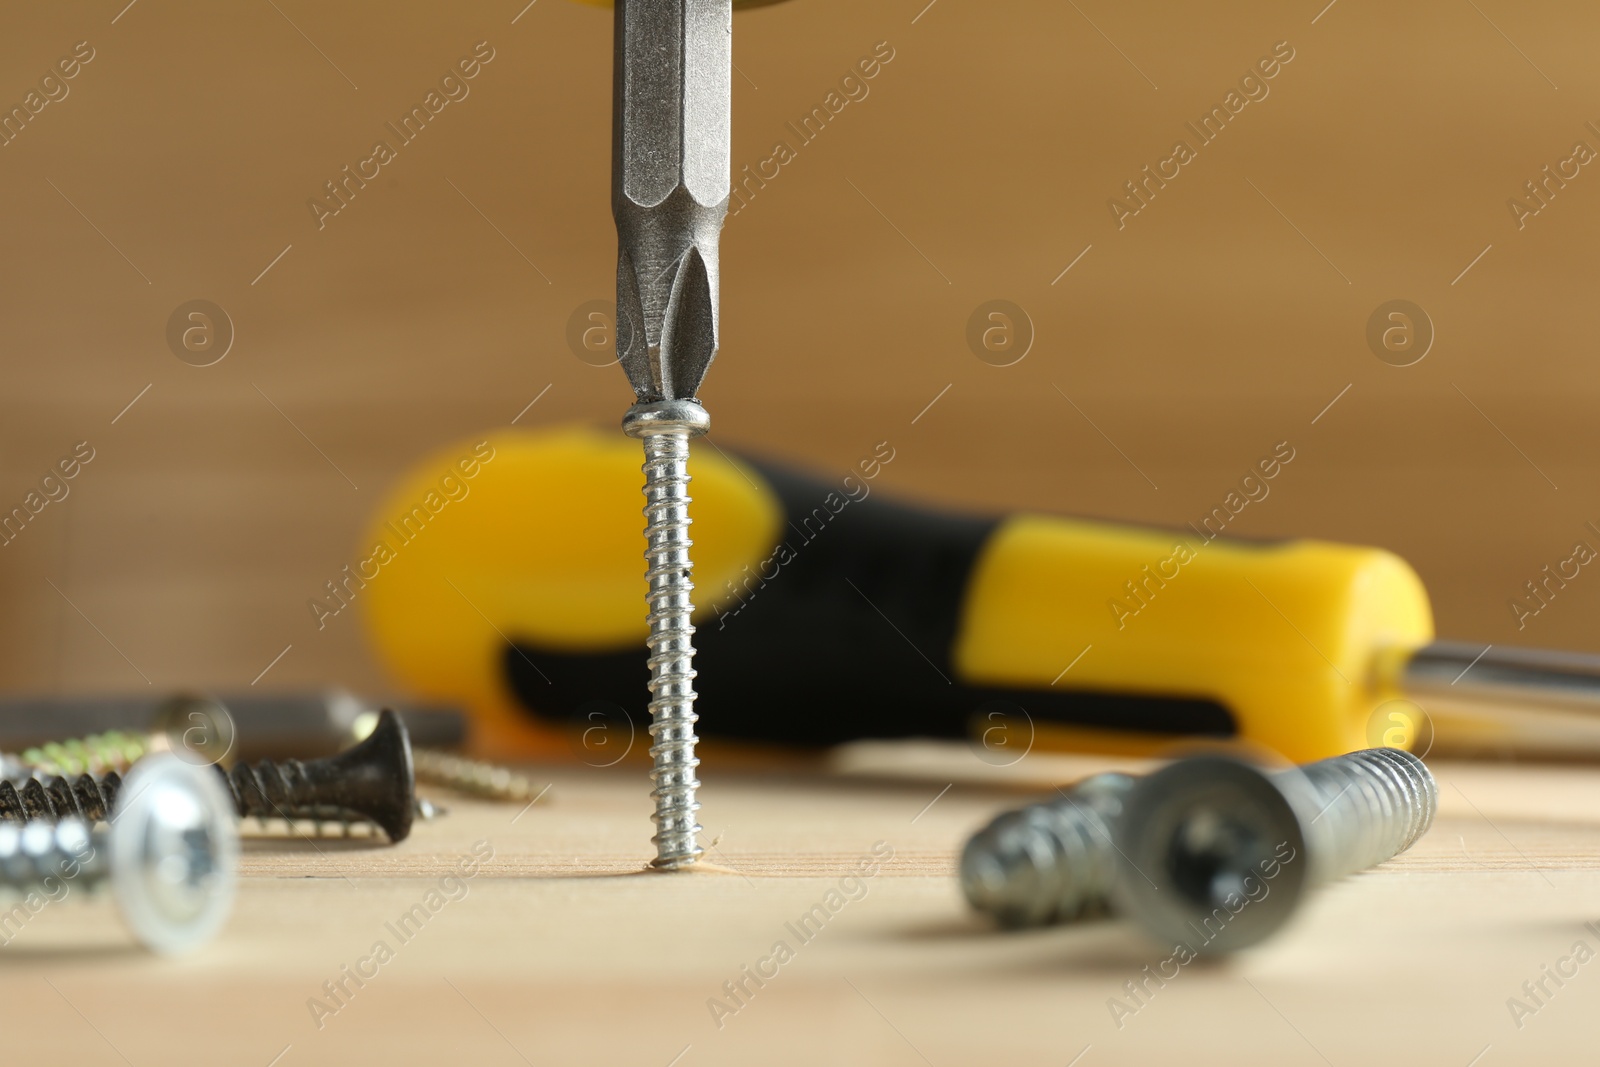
x=169, y=856
x=369, y=782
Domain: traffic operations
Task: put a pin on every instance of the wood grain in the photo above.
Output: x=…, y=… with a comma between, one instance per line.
x=562, y=949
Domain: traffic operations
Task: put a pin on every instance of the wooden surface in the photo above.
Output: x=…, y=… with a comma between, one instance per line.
x=1227, y=316
x=560, y=950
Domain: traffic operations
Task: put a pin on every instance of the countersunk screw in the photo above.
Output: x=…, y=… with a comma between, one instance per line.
x=1217, y=853
x=372, y=781
x=1048, y=862
x=170, y=855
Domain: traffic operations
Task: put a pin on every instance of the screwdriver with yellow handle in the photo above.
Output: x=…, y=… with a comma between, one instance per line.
x=827, y=613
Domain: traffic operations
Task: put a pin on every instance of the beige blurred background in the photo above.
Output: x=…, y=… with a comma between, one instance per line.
x=1222, y=319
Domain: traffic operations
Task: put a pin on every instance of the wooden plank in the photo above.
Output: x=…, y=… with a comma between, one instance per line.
x=561, y=949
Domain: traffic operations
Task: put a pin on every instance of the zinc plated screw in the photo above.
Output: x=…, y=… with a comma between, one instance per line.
x=372, y=781
x=665, y=428
x=472, y=777
x=170, y=855
x=1217, y=853
x=1048, y=862
x=1173, y=849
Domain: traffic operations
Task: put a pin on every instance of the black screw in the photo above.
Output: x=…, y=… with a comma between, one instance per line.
x=55, y=798
x=372, y=781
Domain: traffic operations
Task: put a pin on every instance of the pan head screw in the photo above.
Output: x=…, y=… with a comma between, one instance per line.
x=170, y=854
x=174, y=850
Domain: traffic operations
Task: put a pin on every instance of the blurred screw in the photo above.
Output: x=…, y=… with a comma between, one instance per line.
x=114, y=750
x=1000, y=333
x=196, y=729
x=434, y=766
x=1400, y=333
x=1049, y=862
x=170, y=855
x=1196, y=834
x=372, y=781
x=592, y=333
x=199, y=332
x=472, y=777
x=88, y=797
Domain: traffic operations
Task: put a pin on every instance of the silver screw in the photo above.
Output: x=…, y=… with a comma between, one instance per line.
x=170, y=854
x=472, y=777
x=666, y=427
x=1218, y=853
x=1049, y=862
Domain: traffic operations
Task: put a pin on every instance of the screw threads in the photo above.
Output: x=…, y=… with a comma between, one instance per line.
x=114, y=750
x=32, y=855
x=371, y=782
x=671, y=646
x=267, y=790
x=1374, y=805
x=470, y=776
x=1210, y=848
x=87, y=797
x=1049, y=862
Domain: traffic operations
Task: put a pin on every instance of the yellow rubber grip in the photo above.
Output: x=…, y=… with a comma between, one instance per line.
x=1283, y=634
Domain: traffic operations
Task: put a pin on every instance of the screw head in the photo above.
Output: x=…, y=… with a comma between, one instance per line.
x=174, y=845
x=375, y=778
x=1213, y=853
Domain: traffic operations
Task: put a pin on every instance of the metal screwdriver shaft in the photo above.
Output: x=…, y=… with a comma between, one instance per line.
x=670, y=182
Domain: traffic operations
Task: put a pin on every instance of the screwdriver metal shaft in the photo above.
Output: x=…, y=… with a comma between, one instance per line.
x=672, y=113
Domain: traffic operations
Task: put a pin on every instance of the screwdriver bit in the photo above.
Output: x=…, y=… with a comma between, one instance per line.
x=670, y=179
